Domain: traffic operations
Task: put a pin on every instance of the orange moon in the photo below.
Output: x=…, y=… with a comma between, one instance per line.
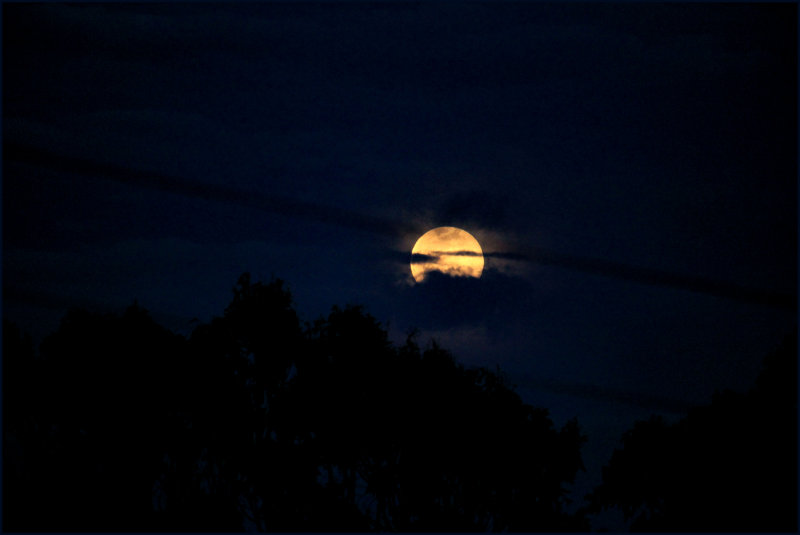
x=447, y=249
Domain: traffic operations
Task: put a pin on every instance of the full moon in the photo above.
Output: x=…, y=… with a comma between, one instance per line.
x=447, y=249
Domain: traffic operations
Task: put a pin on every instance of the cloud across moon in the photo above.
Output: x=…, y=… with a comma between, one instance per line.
x=449, y=250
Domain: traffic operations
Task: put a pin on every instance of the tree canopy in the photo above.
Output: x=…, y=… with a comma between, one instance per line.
x=259, y=421
x=730, y=466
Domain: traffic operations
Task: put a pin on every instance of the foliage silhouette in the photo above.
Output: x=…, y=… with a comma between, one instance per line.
x=257, y=421
x=730, y=466
x=104, y=399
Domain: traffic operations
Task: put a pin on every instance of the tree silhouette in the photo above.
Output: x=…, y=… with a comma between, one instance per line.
x=24, y=439
x=730, y=466
x=257, y=421
x=100, y=409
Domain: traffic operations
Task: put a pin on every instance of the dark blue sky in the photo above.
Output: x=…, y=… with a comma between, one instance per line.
x=155, y=152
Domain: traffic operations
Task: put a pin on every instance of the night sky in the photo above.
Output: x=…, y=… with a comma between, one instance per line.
x=629, y=169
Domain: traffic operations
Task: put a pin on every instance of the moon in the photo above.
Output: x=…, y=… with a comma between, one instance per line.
x=447, y=249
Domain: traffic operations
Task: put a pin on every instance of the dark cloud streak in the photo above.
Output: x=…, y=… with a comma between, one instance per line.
x=213, y=192
x=655, y=277
x=643, y=275
x=418, y=258
x=346, y=218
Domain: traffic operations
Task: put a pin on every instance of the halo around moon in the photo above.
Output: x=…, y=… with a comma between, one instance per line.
x=449, y=250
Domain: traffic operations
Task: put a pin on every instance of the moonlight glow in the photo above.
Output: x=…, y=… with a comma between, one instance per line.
x=447, y=249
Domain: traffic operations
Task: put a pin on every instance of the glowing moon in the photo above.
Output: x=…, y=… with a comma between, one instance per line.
x=447, y=249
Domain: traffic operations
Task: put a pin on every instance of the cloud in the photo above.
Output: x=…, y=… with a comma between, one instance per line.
x=442, y=301
x=294, y=208
x=507, y=256
x=417, y=258
x=202, y=190
x=655, y=277
x=643, y=275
